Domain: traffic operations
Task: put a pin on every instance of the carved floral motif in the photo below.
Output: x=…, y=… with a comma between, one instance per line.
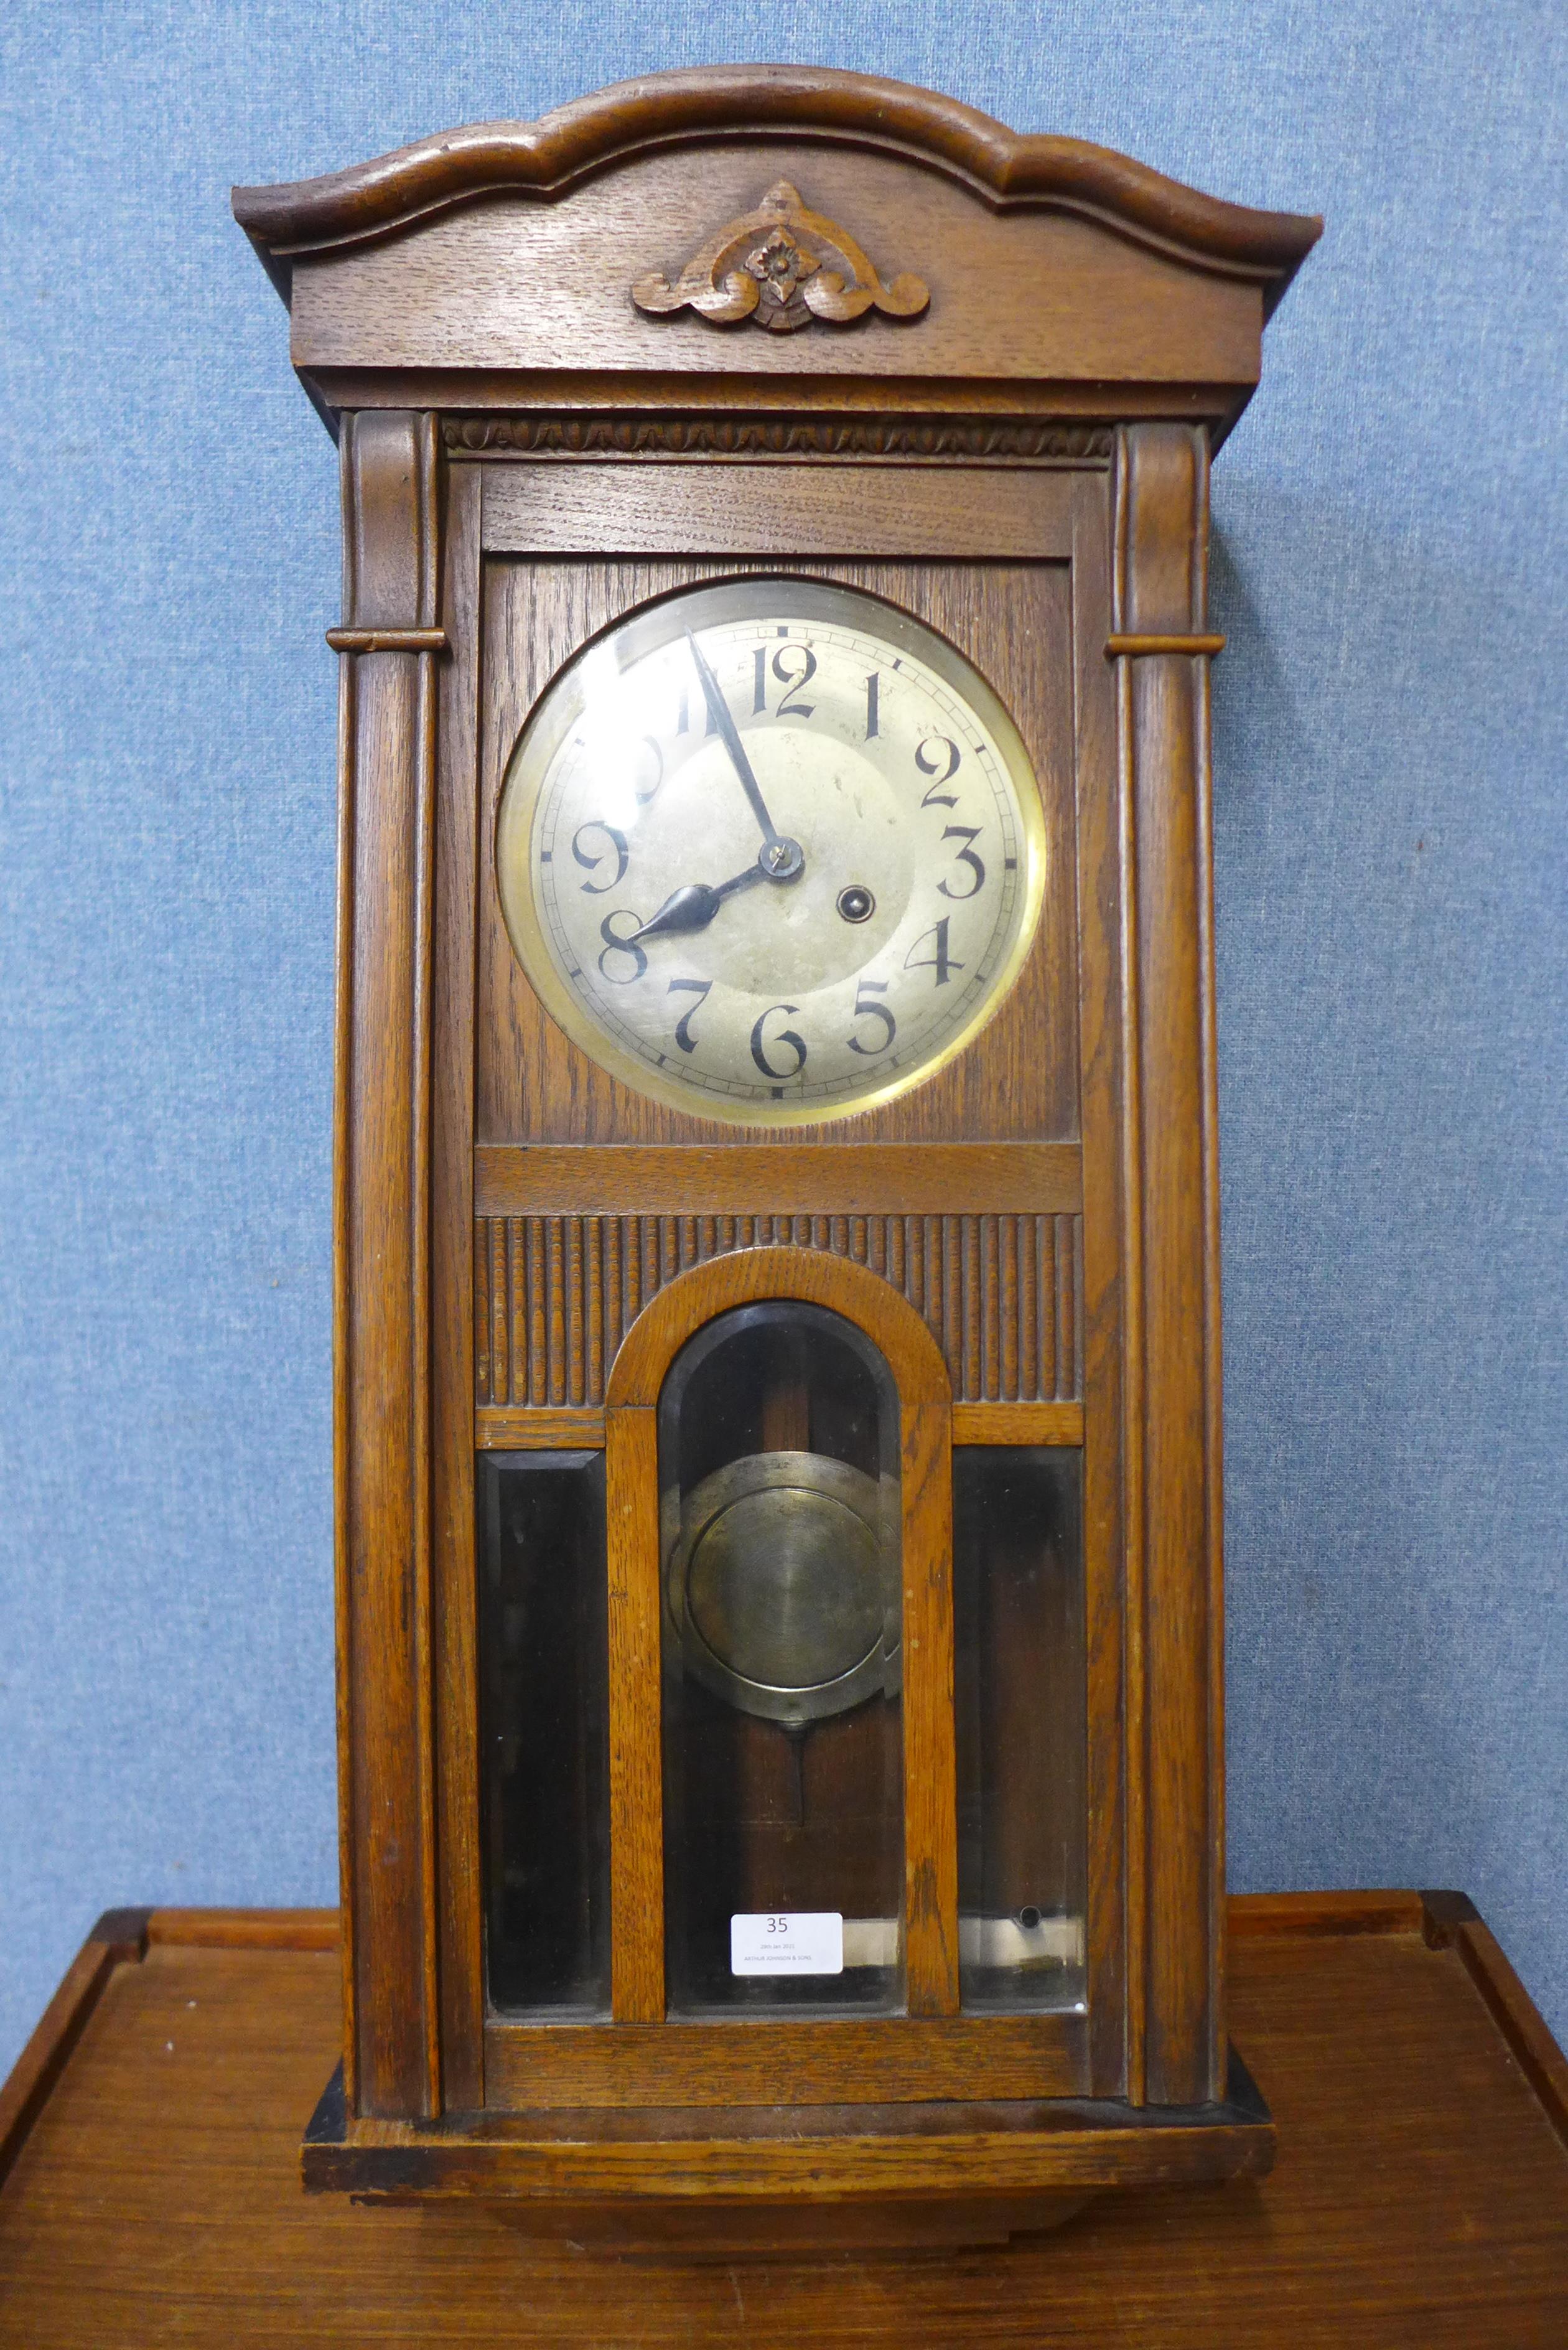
x=781, y=267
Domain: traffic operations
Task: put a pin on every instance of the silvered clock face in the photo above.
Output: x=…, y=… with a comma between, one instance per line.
x=770, y=850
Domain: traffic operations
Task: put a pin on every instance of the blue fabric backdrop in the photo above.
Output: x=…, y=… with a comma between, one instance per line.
x=1389, y=522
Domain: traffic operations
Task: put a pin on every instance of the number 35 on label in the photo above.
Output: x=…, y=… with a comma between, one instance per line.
x=792, y=1942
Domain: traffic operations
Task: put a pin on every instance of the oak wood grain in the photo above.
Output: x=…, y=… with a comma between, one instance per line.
x=120, y=1935
x=342, y=1299
x=930, y=1788
x=529, y=1428
x=760, y=509
x=1336, y=1913
x=717, y=2230
x=1132, y=646
x=1170, y=1218
x=694, y=1296
x=767, y=102
x=554, y=1296
x=1077, y=410
x=245, y=1929
x=453, y=1566
x=510, y=285
x=1021, y=298
x=875, y=2165
x=783, y=2065
x=636, y=1747
x=388, y=640
x=1208, y=1088
x=504, y=1430
x=1018, y=1423
x=1114, y=1759
x=1451, y=1920
x=382, y=1369
x=811, y=1179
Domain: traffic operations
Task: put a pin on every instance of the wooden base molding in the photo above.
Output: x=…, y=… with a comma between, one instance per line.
x=790, y=2156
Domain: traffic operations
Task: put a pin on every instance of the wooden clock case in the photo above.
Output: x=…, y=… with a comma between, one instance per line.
x=1031, y=1237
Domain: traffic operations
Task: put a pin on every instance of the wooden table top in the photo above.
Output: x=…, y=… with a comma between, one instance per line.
x=150, y=2152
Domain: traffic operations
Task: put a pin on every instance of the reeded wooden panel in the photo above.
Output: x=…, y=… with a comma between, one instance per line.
x=555, y=1295
x=1018, y=1081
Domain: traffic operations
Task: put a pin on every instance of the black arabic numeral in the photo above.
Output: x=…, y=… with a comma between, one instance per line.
x=760, y=682
x=873, y=697
x=590, y=861
x=785, y=1036
x=964, y=855
x=793, y=679
x=935, y=767
x=615, y=945
x=698, y=988
x=941, y=963
x=874, y=1012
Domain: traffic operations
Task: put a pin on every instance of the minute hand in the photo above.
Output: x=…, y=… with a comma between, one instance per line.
x=729, y=734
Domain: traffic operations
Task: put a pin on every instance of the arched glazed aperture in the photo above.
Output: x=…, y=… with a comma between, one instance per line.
x=780, y=1541
x=779, y=1494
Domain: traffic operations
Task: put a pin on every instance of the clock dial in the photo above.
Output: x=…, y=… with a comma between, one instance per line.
x=770, y=850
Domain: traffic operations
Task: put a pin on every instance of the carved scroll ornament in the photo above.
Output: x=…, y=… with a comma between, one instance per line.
x=781, y=266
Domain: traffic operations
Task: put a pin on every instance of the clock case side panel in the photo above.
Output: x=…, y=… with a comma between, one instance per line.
x=454, y=1338
x=382, y=1294
x=1115, y=1989
x=1166, y=1134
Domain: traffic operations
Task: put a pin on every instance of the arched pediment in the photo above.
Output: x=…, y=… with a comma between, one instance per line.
x=624, y=248
x=634, y=121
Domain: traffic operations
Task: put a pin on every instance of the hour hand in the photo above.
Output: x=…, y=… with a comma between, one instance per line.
x=694, y=906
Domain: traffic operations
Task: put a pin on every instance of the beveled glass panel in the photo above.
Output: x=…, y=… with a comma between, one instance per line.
x=543, y=1733
x=783, y=1732
x=1021, y=1695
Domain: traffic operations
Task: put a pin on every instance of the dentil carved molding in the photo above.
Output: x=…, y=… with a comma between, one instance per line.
x=781, y=267
x=916, y=438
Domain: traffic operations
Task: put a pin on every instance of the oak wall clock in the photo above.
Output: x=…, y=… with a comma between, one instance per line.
x=777, y=1323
